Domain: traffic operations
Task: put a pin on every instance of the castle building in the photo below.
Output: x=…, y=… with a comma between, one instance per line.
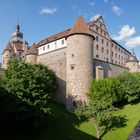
x=16, y=49
x=76, y=55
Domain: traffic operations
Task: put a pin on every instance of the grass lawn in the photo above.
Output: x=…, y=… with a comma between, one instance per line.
x=62, y=125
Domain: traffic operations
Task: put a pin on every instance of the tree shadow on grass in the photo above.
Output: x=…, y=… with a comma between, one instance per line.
x=116, y=122
x=60, y=125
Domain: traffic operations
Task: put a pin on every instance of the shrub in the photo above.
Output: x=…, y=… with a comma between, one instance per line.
x=108, y=88
x=131, y=85
x=30, y=87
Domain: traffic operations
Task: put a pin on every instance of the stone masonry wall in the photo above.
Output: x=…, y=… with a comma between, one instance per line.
x=79, y=68
x=56, y=60
x=109, y=69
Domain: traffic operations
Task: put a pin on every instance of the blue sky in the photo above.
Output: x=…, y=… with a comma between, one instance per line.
x=40, y=18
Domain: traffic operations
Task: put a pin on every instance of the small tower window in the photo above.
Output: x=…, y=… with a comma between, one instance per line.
x=97, y=56
x=72, y=66
x=96, y=38
x=74, y=104
x=72, y=55
x=97, y=47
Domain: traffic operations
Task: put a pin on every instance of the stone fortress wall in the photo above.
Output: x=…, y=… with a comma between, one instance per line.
x=56, y=60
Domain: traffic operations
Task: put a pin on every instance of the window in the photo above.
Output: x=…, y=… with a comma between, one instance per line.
x=104, y=33
x=96, y=29
x=97, y=47
x=43, y=48
x=112, y=60
x=102, y=41
x=55, y=43
x=107, y=51
x=107, y=43
x=119, y=49
x=119, y=56
x=102, y=49
x=116, y=55
x=112, y=53
x=74, y=104
x=116, y=47
x=115, y=62
x=97, y=56
x=101, y=25
x=101, y=31
x=72, y=66
x=96, y=38
x=63, y=42
x=107, y=59
x=112, y=45
x=48, y=46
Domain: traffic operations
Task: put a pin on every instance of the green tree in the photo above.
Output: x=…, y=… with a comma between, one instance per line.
x=103, y=93
x=131, y=85
x=33, y=87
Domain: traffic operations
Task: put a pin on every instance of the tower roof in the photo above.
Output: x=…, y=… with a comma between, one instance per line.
x=79, y=27
x=8, y=47
x=33, y=50
x=17, y=36
x=132, y=57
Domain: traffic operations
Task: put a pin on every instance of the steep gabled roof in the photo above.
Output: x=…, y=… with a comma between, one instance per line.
x=8, y=47
x=33, y=50
x=80, y=27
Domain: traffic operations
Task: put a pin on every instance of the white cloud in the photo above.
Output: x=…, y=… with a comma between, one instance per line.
x=125, y=32
x=117, y=10
x=48, y=10
x=133, y=42
x=95, y=17
x=91, y=3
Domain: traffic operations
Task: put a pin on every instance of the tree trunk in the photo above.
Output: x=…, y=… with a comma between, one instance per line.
x=97, y=129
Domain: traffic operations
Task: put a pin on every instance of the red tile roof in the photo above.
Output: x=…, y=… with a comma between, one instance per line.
x=79, y=27
x=59, y=35
x=8, y=47
x=33, y=50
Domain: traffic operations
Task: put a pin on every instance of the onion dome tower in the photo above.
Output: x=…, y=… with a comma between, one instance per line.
x=17, y=36
x=79, y=67
x=31, y=55
x=132, y=63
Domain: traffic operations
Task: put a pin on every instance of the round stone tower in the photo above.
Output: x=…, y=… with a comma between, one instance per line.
x=6, y=55
x=132, y=63
x=31, y=55
x=79, y=67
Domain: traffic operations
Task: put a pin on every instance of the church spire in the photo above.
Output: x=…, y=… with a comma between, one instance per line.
x=17, y=26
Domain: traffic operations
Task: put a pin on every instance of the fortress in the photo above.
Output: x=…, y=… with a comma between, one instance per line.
x=76, y=55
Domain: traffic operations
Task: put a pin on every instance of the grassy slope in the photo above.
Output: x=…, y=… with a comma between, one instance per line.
x=132, y=113
x=65, y=126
